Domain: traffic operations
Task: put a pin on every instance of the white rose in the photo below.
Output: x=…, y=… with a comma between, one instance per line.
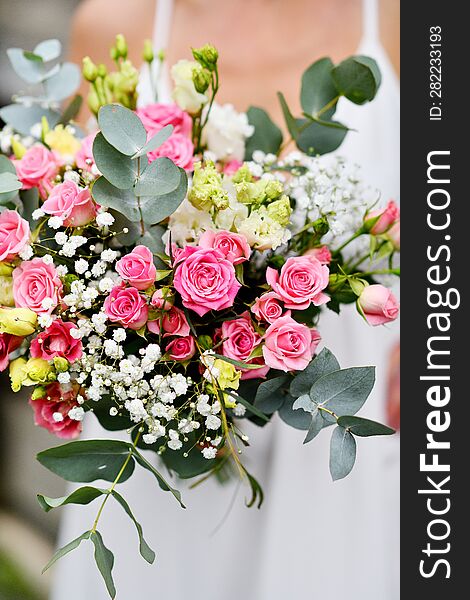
x=226, y=132
x=187, y=223
x=184, y=92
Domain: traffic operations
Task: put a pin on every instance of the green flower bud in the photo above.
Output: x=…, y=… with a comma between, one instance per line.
x=93, y=102
x=61, y=364
x=148, y=54
x=5, y=269
x=280, y=210
x=38, y=392
x=18, y=149
x=207, y=56
x=161, y=55
x=243, y=174
x=89, y=69
x=201, y=79
x=207, y=190
x=121, y=45
x=18, y=321
x=273, y=189
x=39, y=370
x=205, y=342
x=102, y=70
x=17, y=373
x=113, y=53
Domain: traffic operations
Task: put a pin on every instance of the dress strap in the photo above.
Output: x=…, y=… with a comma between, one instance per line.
x=370, y=20
x=162, y=24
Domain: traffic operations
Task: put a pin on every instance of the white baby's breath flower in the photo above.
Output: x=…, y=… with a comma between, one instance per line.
x=72, y=176
x=81, y=266
x=38, y=214
x=55, y=222
x=63, y=377
x=47, y=259
x=104, y=219
x=47, y=303
x=120, y=334
x=76, y=413
x=209, y=452
x=26, y=253
x=61, y=238
x=62, y=270
x=45, y=321
x=108, y=255
x=58, y=417
x=106, y=284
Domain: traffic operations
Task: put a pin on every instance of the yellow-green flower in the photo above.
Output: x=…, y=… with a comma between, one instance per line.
x=6, y=291
x=18, y=321
x=18, y=373
x=38, y=370
x=280, y=210
x=207, y=190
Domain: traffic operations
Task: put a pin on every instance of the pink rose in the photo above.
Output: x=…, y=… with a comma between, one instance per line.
x=156, y=116
x=181, y=348
x=126, y=306
x=232, y=167
x=289, y=346
x=37, y=168
x=174, y=323
x=233, y=246
x=8, y=343
x=57, y=340
x=137, y=268
x=388, y=216
x=268, y=307
x=323, y=254
x=378, y=304
x=240, y=339
x=178, y=148
x=394, y=235
x=205, y=280
x=36, y=286
x=73, y=204
x=57, y=401
x=14, y=234
x=84, y=157
x=300, y=282
x=162, y=300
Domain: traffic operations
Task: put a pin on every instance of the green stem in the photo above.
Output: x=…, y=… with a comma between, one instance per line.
x=327, y=107
x=382, y=272
x=348, y=241
x=142, y=223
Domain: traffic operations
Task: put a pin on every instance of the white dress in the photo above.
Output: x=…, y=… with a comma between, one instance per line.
x=312, y=539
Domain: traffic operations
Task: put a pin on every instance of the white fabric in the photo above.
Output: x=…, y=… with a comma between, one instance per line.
x=312, y=539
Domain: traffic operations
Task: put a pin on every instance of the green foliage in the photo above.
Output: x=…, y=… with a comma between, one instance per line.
x=164, y=485
x=83, y=495
x=323, y=363
x=342, y=453
x=269, y=396
x=104, y=559
x=122, y=128
x=146, y=552
x=357, y=78
x=66, y=549
x=267, y=136
x=364, y=427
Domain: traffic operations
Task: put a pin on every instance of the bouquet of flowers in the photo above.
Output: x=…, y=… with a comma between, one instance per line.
x=167, y=273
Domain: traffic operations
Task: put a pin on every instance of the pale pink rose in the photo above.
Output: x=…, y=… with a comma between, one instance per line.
x=56, y=340
x=240, y=339
x=322, y=254
x=137, y=268
x=174, y=323
x=268, y=307
x=162, y=300
x=73, y=204
x=394, y=235
x=388, y=216
x=126, y=306
x=300, y=282
x=178, y=148
x=8, y=343
x=232, y=166
x=57, y=400
x=156, y=116
x=14, y=234
x=289, y=346
x=378, y=304
x=37, y=168
x=36, y=286
x=84, y=157
x=205, y=280
x=233, y=246
x=181, y=348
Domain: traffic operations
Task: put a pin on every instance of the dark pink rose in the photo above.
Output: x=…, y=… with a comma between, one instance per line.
x=205, y=280
x=73, y=204
x=137, y=268
x=57, y=401
x=181, y=348
x=174, y=323
x=36, y=286
x=14, y=234
x=240, y=339
x=268, y=307
x=178, y=148
x=57, y=340
x=300, y=282
x=378, y=304
x=156, y=116
x=289, y=345
x=126, y=306
x=322, y=254
x=8, y=343
x=37, y=168
x=233, y=246
x=388, y=216
x=162, y=300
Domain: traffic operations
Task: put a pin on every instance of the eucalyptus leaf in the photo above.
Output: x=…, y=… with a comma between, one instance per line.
x=64, y=83
x=250, y=407
x=71, y=110
x=120, y=170
x=104, y=559
x=316, y=425
x=305, y=403
x=9, y=182
x=161, y=177
x=110, y=196
x=30, y=202
x=298, y=419
x=257, y=494
x=357, y=78
x=158, y=208
x=122, y=128
x=342, y=453
x=146, y=552
x=83, y=495
x=152, y=238
x=364, y=427
x=266, y=137
x=318, y=88
x=320, y=138
x=269, y=398
x=323, y=363
x=134, y=230
x=21, y=118
x=164, y=485
x=89, y=460
x=291, y=122
x=66, y=549
x=29, y=70
x=48, y=49
x=344, y=392
x=156, y=141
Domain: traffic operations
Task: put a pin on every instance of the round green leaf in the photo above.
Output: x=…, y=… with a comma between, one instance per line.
x=48, y=49
x=64, y=83
x=299, y=419
x=357, y=78
x=323, y=363
x=156, y=141
x=122, y=128
x=267, y=136
x=119, y=169
x=157, y=208
x=9, y=182
x=110, y=196
x=320, y=137
x=161, y=177
x=269, y=397
x=344, y=392
x=318, y=88
x=22, y=117
x=364, y=427
x=342, y=453
x=29, y=70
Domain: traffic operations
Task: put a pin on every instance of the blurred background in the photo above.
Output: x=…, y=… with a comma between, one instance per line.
x=26, y=538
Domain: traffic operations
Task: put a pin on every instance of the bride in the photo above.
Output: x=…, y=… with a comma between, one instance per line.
x=312, y=538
